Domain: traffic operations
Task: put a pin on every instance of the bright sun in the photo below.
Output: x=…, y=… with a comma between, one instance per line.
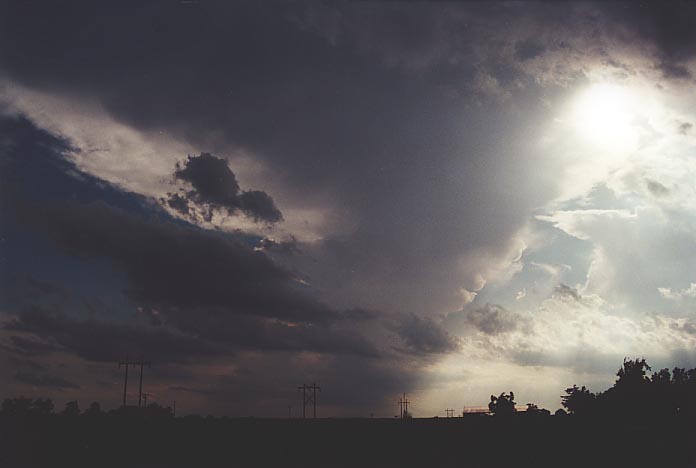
x=603, y=114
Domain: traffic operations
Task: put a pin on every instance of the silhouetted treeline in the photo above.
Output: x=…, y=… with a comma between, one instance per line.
x=615, y=428
x=637, y=395
x=22, y=407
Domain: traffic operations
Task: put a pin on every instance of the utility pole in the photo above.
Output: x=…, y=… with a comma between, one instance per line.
x=403, y=407
x=304, y=399
x=140, y=391
x=309, y=397
x=126, y=364
x=450, y=412
x=125, y=382
x=314, y=398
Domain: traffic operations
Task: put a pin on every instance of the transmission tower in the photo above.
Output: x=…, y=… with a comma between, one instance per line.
x=450, y=412
x=309, y=397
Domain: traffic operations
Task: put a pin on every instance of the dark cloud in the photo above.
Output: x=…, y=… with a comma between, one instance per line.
x=578, y=358
x=212, y=179
x=656, y=188
x=358, y=118
x=674, y=70
x=277, y=335
x=491, y=319
x=44, y=380
x=201, y=294
x=363, y=111
x=284, y=247
x=528, y=49
x=46, y=288
x=259, y=205
x=685, y=127
x=108, y=342
x=215, y=185
x=271, y=385
x=688, y=327
x=31, y=347
x=670, y=27
x=564, y=291
x=171, y=265
x=98, y=340
x=177, y=202
x=369, y=123
x=26, y=364
x=424, y=336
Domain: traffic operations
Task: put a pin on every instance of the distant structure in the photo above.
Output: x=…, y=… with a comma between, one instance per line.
x=450, y=412
x=309, y=397
x=403, y=407
x=475, y=410
x=142, y=363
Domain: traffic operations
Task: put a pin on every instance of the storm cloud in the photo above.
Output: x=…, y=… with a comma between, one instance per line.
x=491, y=319
x=215, y=184
x=261, y=193
x=45, y=380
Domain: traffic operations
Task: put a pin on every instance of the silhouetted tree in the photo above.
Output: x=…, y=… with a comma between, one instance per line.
x=93, y=410
x=22, y=406
x=42, y=406
x=17, y=406
x=502, y=404
x=533, y=409
x=663, y=398
x=71, y=409
x=632, y=373
x=578, y=400
x=153, y=410
x=661, y=377
x=679, y=376
x=631, y=396
x=683, y=391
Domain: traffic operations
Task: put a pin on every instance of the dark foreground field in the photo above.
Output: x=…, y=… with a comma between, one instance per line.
x=458, y=442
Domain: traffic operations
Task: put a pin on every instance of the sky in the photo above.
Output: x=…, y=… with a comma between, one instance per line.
x=446, y=199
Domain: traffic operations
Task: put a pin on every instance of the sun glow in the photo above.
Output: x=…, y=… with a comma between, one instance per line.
x=604, y=116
